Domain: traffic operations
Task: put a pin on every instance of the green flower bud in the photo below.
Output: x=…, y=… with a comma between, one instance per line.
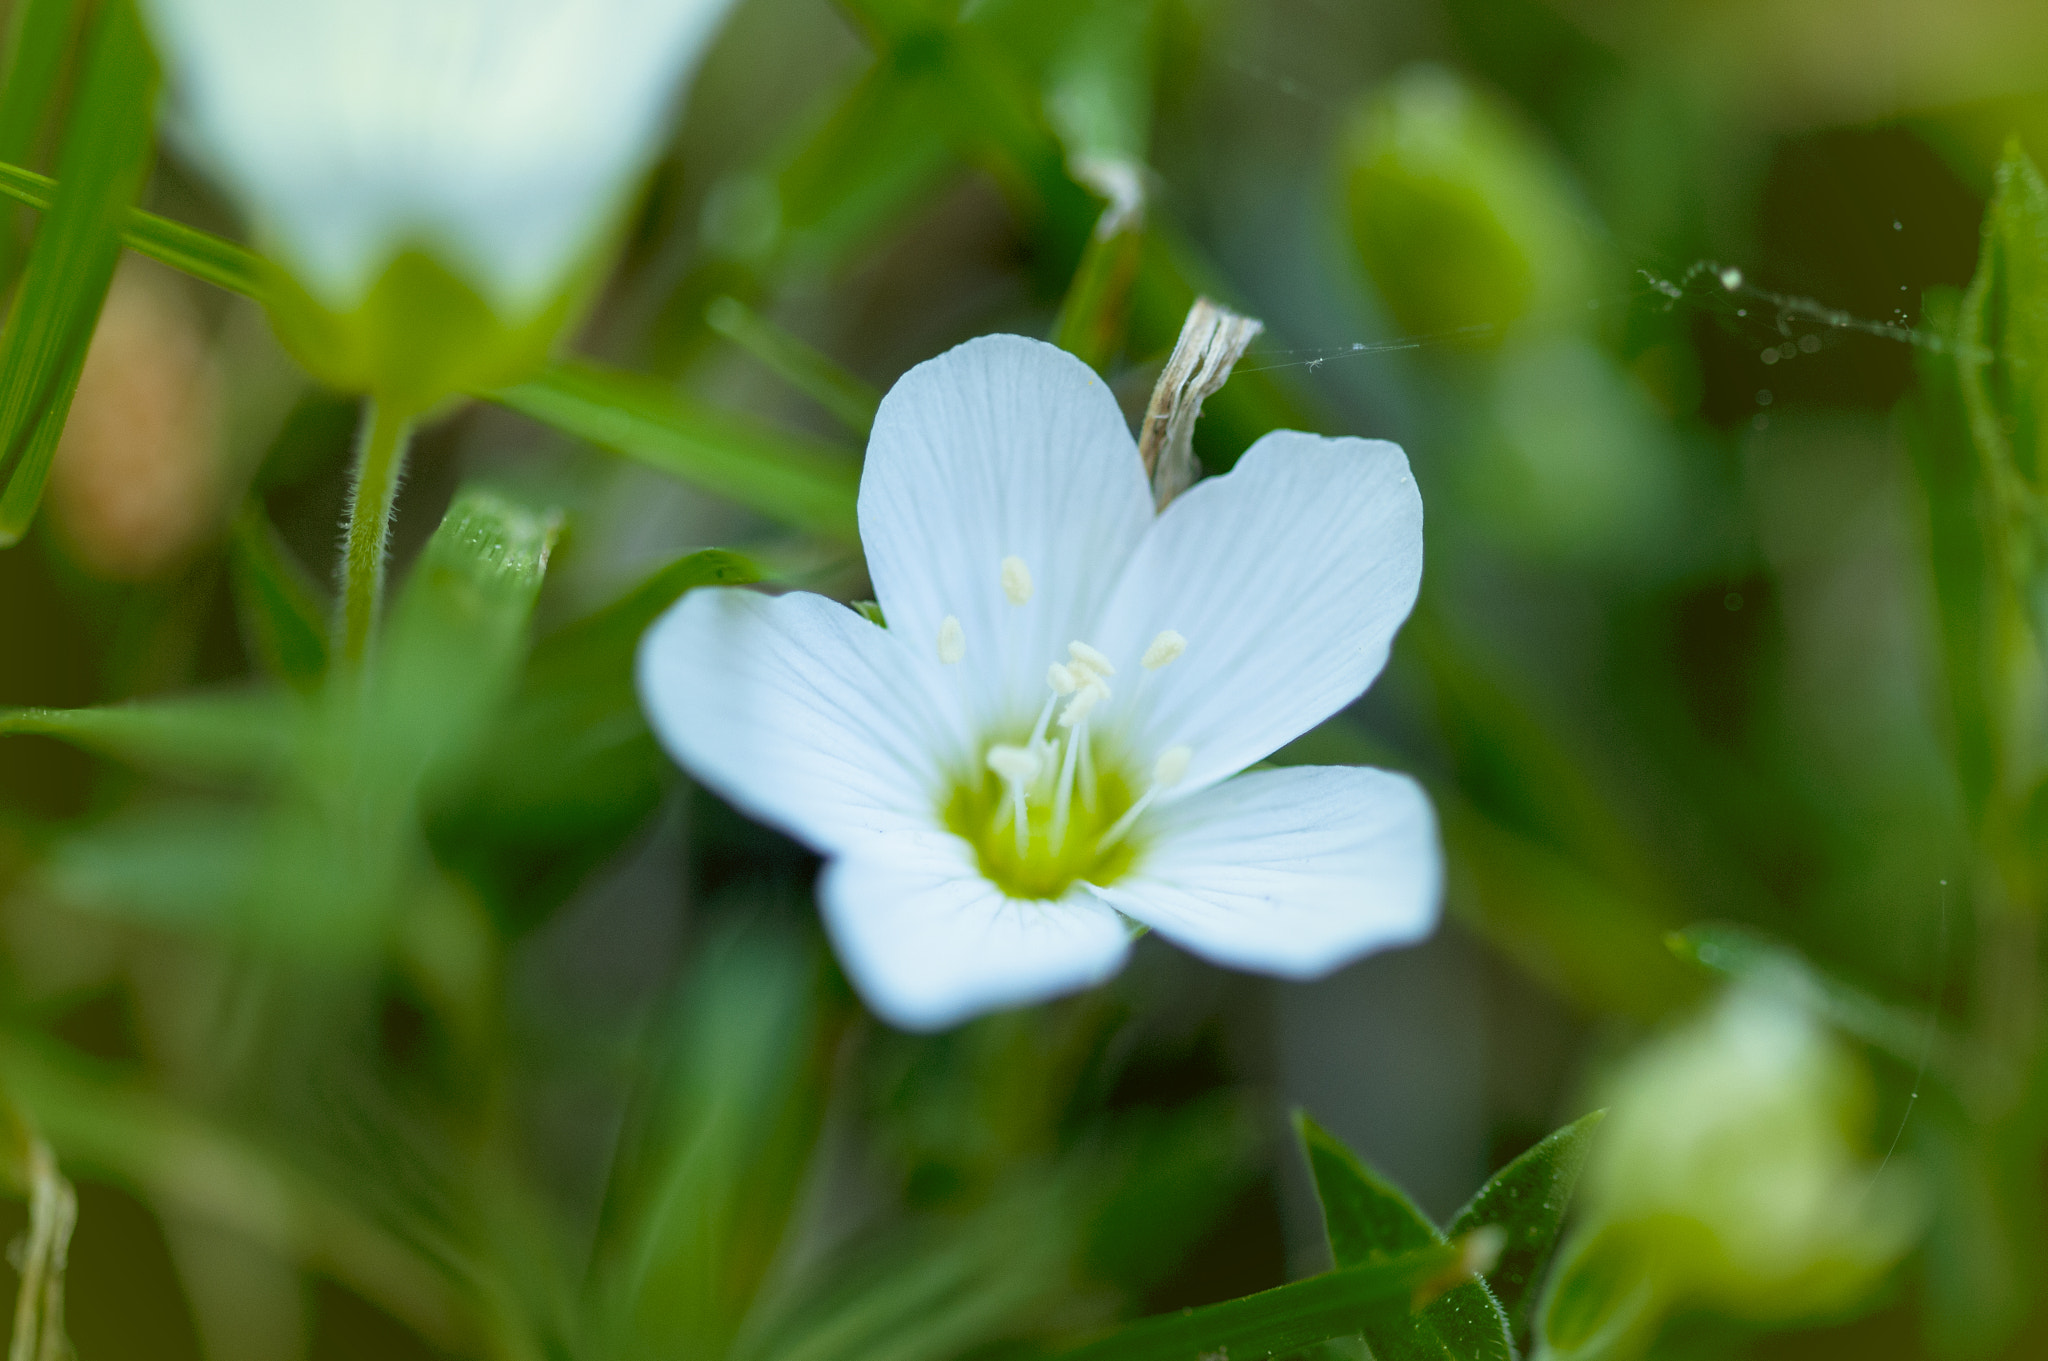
x=1460, y=216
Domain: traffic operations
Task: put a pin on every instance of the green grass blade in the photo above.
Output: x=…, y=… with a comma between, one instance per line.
x=107, y=1124
x=799, y=482
x=38, y=43
x=230, y=736
x=1282, y=1320
x=204, y=256
x=284, y=619
x=41, y=38
x=846, y=398
x=713, y=1173
x=105, y=157
x=1752, y=958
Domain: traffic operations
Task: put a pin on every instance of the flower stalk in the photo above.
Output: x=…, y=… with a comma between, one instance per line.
x=380, y=465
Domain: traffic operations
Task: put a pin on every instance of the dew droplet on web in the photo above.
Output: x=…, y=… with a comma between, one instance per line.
x=1897, y=225
x=1763, y=396
x=1809, y=343
x=1731, y=278
x=1769, y=356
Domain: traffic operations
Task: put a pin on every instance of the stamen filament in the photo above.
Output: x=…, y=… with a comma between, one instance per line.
x=1017, y=767
x=1044, y=720
x=1167, y=771
x=1063, y=797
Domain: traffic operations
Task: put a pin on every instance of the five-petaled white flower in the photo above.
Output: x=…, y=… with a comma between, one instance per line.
x=1047, y=736
x=501, y=135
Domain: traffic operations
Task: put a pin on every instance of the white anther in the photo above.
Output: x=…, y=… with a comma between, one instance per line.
x=1086, y=656
x=1167, y=647
x=1015, y=765
x=1083, y=703
x=952, y=640
x=1016, y=580
x=1062, y=680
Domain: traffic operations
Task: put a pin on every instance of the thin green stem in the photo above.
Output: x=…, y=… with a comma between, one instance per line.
x=380, y=463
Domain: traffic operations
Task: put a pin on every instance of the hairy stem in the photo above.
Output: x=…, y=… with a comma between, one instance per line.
x=380, y=461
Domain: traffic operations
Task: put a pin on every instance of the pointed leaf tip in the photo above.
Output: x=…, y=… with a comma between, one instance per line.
x=1527, y=1200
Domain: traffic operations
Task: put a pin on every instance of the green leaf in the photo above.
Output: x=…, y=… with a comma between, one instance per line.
x=1527, y=1200
x=937, y=1290
x=1365, y=1216
x=1967, y=592
x=2004, y=335
x=284, y=620
x=1282, y=1320
x=204, y=256
x=1170, y=1174
x=458, y=631
x=229, y=737
x=2001, y=378
x=846, y=398
x=1096, y=312
x=1750, y=956
x=185, y=866
x=598, y=649
x=1602, y=1303
x=571, y=769
x=1368, y=1219
x=710, y=1180
x=39, y=38
x=105, y=157
x=120, y=1130
x=783, y=476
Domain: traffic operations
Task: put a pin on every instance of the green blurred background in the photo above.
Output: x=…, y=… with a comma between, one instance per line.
x=1661, y=298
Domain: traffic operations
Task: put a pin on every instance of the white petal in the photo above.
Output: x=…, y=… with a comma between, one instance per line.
x=796, y=709
x=1290, y=872
x=501, y=133
x=1288, y=577
x=1003, y=447
x=929, y=942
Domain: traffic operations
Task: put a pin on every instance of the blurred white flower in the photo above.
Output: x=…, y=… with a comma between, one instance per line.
x=1732, y=1159
x=1046, y=737
x=500, y=136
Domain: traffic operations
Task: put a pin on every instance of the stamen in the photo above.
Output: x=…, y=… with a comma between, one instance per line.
x=1063, y=798
x=1044, y=718
x=1087, y=773
x=1084, y=701
x=1062, y=680
x=1016, y=580
x=1017, y=767
x=1166, y=648
x=952, y=640
x=1087, y=657
x=1169, y=770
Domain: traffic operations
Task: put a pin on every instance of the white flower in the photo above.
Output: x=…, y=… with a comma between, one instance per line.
x=499, y=134
x=1047, y=736
x=1733, y=1160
